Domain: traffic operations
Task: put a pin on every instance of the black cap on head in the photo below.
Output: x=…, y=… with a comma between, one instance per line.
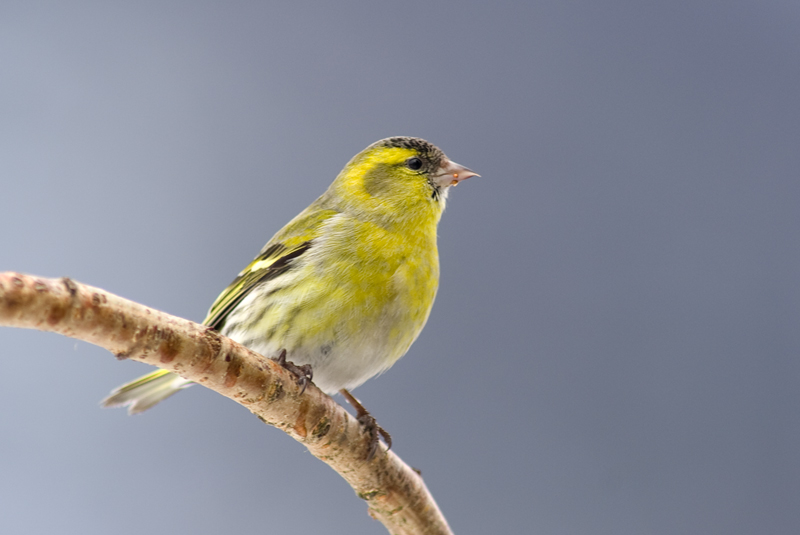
x=425, y=149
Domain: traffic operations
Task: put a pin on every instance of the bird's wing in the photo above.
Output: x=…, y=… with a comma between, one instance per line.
x=295, y=239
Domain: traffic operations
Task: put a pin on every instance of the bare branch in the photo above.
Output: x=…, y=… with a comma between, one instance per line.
x=396, y=495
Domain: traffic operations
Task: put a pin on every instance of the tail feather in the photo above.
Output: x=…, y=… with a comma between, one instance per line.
x=146, y=391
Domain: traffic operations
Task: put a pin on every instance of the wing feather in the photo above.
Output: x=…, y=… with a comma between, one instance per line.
x=266, y=266
x=295, y=239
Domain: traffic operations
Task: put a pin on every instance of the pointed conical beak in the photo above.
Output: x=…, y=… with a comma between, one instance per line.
x=451, y=173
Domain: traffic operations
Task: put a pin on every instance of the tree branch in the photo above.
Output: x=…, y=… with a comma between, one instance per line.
x=396, y=495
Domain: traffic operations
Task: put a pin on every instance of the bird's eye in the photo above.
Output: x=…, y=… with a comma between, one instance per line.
x=415, y=164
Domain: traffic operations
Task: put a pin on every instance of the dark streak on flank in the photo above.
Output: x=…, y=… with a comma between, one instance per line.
x=252, y=279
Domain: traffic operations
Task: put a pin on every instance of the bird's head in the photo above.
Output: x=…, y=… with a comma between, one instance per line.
x=401, y=177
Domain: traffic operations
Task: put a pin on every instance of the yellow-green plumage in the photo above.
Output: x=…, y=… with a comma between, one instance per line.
x=348, y=284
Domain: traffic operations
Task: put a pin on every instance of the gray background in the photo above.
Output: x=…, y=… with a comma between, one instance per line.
x=614, y=348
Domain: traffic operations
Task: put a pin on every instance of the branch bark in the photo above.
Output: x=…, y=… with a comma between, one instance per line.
x=395, y=494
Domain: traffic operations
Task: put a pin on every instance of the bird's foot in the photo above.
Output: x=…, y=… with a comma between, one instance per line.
x=303, y=373
x=370, y=425
x=374, y=430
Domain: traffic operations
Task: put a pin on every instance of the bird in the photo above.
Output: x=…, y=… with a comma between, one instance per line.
x=341, y=292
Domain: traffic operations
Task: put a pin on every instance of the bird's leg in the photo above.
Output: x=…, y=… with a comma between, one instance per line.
x=370, y=425
x=304, y=373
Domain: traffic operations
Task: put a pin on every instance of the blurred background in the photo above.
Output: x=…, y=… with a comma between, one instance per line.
x=615, y=344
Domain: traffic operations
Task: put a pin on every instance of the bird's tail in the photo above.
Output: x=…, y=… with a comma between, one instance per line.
x=146, y=391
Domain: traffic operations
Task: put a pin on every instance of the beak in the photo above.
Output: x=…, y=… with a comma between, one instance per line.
x=451, y=173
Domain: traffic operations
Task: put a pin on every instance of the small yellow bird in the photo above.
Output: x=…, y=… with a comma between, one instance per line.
x=345, y=287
